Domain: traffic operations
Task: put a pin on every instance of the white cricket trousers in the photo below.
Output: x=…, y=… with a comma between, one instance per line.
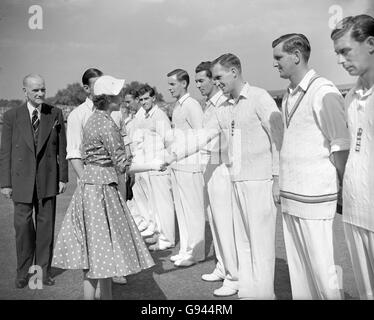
x=254, y=226
x=163, y=206
x=220, y=217
x=360, y=243
x=310, y=257
x=142, y=199
x=188, y=193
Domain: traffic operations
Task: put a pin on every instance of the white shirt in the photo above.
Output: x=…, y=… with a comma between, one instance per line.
x=253, y=128
x=216, y=150
x=76, y=121
x=155, y=127
x=187, y=119
x=31, y=109
x=137, y=136
x=358, y=185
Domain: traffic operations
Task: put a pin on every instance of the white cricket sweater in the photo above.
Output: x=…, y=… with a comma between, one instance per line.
x=313, y=130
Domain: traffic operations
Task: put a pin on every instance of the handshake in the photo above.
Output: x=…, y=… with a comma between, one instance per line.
x=161, y=165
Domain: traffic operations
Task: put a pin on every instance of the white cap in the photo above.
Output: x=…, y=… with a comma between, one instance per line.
x=108, y=85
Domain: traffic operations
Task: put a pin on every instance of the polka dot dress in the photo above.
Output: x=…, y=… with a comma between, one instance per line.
x=98, y=232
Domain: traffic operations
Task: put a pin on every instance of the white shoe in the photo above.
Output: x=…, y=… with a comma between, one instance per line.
x=147, y=233
x=184, y=262
x=119, y=280
x=176, y=257
x=151, y=240
x=211, y=277
x=158, y=247
x=142, y=226
x=224, y=291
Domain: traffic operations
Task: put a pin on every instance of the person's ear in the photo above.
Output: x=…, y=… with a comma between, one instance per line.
x=86, y=88
x=184, y=84
x=235, y=72
x=370, y=43
x=297, y=56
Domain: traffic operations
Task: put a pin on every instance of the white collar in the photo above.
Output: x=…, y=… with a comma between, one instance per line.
x=360, y=91
x=214, y=100
x=31, y=108
x=89, y=103
x=183, y=98
x=151, y=112
x=303, y=84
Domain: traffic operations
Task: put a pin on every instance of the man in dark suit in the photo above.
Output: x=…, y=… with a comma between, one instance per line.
x=33, y=170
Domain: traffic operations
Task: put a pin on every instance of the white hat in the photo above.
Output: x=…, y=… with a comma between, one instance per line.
x=108, y=85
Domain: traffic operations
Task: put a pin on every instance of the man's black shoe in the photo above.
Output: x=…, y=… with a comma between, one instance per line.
x=21, y=283
x=48, y=281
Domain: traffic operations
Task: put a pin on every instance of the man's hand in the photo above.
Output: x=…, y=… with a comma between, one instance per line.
x=61, y=187
x=170, y=158
x=276, y=192
x=6, y=192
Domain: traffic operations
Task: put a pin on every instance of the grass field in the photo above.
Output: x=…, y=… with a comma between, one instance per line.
x=161, y=282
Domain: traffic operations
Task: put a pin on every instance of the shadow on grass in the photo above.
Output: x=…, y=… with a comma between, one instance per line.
x=55, y=272
x=143, y=286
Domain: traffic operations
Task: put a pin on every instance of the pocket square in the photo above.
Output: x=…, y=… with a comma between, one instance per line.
x=56, y=125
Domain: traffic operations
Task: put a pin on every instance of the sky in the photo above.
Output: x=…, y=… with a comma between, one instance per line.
x=143, y=40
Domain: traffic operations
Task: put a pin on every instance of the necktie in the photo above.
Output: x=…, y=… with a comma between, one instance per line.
x=35, y=125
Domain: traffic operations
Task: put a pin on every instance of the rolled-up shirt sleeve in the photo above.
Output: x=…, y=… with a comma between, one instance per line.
x=73, y=137
x=329, y=112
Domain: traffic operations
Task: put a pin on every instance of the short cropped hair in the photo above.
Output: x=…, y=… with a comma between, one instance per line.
x=90, y=73
x=361, y=27
x=146, y=88
x=294, y=41
x=31, y=76
x=205, y=66
x=181, y=75
x=132, y=92
x=228, y=60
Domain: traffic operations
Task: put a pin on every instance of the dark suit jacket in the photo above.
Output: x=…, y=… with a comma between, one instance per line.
x=22, y=166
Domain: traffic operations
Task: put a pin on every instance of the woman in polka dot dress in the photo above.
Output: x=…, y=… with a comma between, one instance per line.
x=98, y=233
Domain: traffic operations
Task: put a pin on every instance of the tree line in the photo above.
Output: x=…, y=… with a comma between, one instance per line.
x=74, y=95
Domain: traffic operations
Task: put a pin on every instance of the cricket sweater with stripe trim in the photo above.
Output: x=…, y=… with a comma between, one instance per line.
x=314, y=128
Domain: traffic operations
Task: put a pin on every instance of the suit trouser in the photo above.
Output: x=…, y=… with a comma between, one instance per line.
x=34, y=241
x=220, y=216
x=142, y=200
x=361, y=250
x=310, y=257
x=163, y=205
x=254, y=225
x=188, y=193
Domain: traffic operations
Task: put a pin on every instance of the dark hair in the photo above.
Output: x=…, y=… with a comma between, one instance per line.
x=228, y=60
x=292, y=42
x=146, y=88
x=90, y=73
x=132, y=92
x=102, y=101
x=205, y=66
x=362, y=27
x=181, y=74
